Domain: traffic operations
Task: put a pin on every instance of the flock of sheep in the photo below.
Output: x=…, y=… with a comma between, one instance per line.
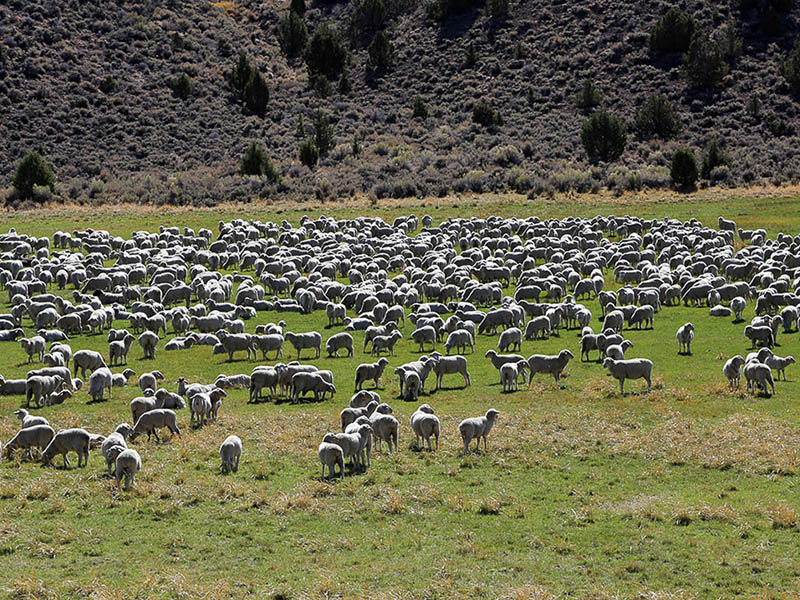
x=448, y=281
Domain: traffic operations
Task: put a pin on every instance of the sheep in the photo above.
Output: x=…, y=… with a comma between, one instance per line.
x=779, y=364
x=450, y=365
x=11, y=335
x=260, y=378
x=385, y=428
x=758, y=374
x=498, y=360
x=269, y=342
x=121, y=379
x=351, y=414
x=423, y=335
x=553, y=364
x=476, y=428
x=226, y=382
x=385, y=342
x=367, y=371
x=100, y=380
x=720, y=311
x=338, y=341
x=65, y=441
x=39, y=388
x=29, y=420
x=422, y=367
x=87, y=359
x=738, y=304
x=148, y=341
x=617, y=351
x=331, y=455
x=635, y=368
x=496, y=318
x=57, y=348
x=614, y=320
x=118, y=350
x=201, y=407
x=28, y=438
x=310, y=382
x=685, y=336
x=509, y=375
x=118, y=438
x=589, y=343
x=149, y=381
x=143, y=404
x=230, y=452
x=154, y=419
x=510, y=339
x=761, y=334
x=363, y=398
x=363, y=429
x=459, y=339
x=300, y=341
x=425, y=424
x=733, y=370
x=169, y=399
x=128, y=463
x=53, y=360
x=336, y=314
x=182, y=343
x=789, y=317
x=643, y=315
x=34, y=346
x=412, y=385
x=350, y=444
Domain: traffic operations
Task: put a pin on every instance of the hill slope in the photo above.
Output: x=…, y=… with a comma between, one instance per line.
x=90, y=86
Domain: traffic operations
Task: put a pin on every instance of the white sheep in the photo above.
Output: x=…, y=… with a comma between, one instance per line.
x=34, y=346
x=128, y=463
x=363, y=398
x=760, y=333
x=424, y=335
x=28, y=438
x=226, y=382
x=119, y=438
x=385, y=428
x=39, y=388
x=738, y=304
x=229, y=453
x=121, y=379
x=69, y=440
x=779, y=364
x=260, y=378
x=367, y=371
x=349, y=443
x=509, y=375
x=385, y=342
x=450, y=365
x=685, y=336
x=363, y=429
x=459, y=339
x=149, y=381
x=510, y=340
x=412, y=385
x=351, y=414
x=758, y=374
x=87, y=359
x=617, y=351
x=310, y=382
x=733, y=370
x=148, y=340
x=300, y=341
x=552, y=364
x=537, y=328
x=154, y=419
x=29, y=420
x=635, y=368
x=339, y=341
x=425, y=424
x=476, y=428
x=99, y=381
x=331, y=455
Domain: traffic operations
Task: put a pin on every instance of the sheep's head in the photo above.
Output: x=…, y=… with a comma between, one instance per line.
x=492, y=414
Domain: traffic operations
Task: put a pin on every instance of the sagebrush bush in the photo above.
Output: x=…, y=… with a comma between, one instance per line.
x=589, y=96
x=324, y=137
x=683, y=169
x=181, y=86
x=672, y=32
x=32, y=170
x=603, y=136
x=657, y=117
x=484, y=114
x=420, y=110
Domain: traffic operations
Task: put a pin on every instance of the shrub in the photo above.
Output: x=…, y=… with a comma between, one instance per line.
x=355, y=148
x=256, y=162
x=657, y=117
x=603, y=136
x=32, y=170
x=485, y=115
x=322, y=87
x=298, y=6
x=108, y=84
x=703, y=64
x=498, y=9
x=309, y=154
x=420, y=109
x=672, y=32
x=770, y=23
x=240, y=74
x=325, y=55
x=790, y=67
x=777, y=126
x=345, y=87
x=181, y=86
x=256, y=93
x=368, y=16
x=439, y=10
x=292, y=34
x=713, y=156
x=505, y=155
x=589, y=96
x=729, y=40
x=324, y=139
x=683, y=169
x=381, y=52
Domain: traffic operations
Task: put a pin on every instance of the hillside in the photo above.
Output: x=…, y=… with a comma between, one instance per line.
x=90, y=85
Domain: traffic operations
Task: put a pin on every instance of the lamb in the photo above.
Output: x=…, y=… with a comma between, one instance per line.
x=685, y=336
x=424, y=335
x=498, y=360
x=229, y=453
x=553, y=364
x=154, y=419
x=779, y=364
x=68, y=440
x=733, y=370
x=29, y=420
x=260, y=378
x=351, y=414
x=385, y=342
x=331, y=455
x=617, y=351
x=422, y=367
x=310, y=382
x=121, y=379
x=148, y=341
x=635, y=368
x=425, y=424
x=450, y=365
x=39, y=388
x=87, y=359
x=128, y=463
x=460, y=339
x=510, y=340
x=370, y=331
x=28, y=438
x=509, y=375
x=367, y=371
x=300, y=341
x=118, y=350
x=169, y=399
x=226, y=382
x=118, y=438
x=100, y=380
x=363, y=429
x=149, y=381
x=269, y=342
x=349, y=443
x=34, y=346
x=758, y=374
x=760, y=333
x=337, y=342
x=385, y=428
x=476, y=428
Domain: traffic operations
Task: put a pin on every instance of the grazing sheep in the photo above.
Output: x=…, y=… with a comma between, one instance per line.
x=260, y=378
x=758, y=374
x=350, y=415
x=87, y=359
x=68, y=440
x=39, y=388
x=412, y=385
x=29, y=420
x=476, y=428
x=349, y=443
x=510, y=340
x=385, y=342
x=614, y=320
x=685, y=336
x=367, y=371
x=363, y=429
x=635, y=368
x=789, y=317
x=331, y=455
x=149, y=381
x=643, y=315
x=121, y=379
x=424, y=335
x=385, y=428
x=589, y=343
x=450, y=365
x=300, y=341
x=118, y=438
x=760, y=333
x=99, y=381
x=509, y=375
x=779, y=364
x=28, y=438
x=310, y=382
x=154, y=419
x=142, y=404
x=148, y=341
x=425, y=424
x=363, y=398
x=269, y=342
x=128, y=463
x=738, y=304
x=617, y=351
x=336, y=314
x=229, y=453
x=64, y=350
x=498, y=360
x=169, y=399
x=733, y=370
x=553, y=364
x=460, y=339
x=337, y=342
x=53, y=360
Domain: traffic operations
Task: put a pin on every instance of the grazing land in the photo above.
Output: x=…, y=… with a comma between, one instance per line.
x=689, y=491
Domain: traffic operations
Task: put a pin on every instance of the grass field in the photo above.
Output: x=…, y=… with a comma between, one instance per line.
x=689, y=491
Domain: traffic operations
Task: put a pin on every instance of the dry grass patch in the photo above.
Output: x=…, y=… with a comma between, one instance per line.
x=782, y=516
